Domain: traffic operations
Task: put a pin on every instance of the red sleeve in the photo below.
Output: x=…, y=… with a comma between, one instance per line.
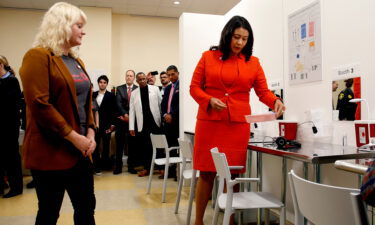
x=197, y=85
x=261, y=88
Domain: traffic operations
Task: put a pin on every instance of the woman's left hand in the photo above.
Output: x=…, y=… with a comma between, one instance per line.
x=279, y=108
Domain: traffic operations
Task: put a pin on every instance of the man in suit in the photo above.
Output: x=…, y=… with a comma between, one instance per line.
x=145, y=110
x=165, y=81
x=107, y=107
x=123, y=141
x=170, y=110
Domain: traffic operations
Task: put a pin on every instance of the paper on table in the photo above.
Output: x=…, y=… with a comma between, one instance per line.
x=269, y=116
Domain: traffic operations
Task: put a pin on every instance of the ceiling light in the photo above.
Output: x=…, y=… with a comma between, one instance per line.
x=176, y=2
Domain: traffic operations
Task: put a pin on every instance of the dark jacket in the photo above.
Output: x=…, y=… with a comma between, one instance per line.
x=174, y=103
x=122, y=99
x=107, y=109
x=346, y=109
x=10, y=101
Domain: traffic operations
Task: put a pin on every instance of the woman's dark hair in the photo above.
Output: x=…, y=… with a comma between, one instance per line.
x=226, y=37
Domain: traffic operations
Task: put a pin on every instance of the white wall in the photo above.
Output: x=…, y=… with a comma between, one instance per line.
x=96, y=49
x=197, y=33
x=19, y=29
x=143, y=44
x=113, y=43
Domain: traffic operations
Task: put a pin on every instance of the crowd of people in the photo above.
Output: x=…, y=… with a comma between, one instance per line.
x=134, y=111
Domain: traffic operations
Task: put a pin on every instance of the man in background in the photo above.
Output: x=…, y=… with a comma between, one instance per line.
x=151, y=79
x=165, y=81
x=145, y=110
x=170, y=111
x=123, y=141
x=106, y=103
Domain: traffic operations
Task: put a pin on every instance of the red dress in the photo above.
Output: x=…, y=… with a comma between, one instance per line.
x=230, y=81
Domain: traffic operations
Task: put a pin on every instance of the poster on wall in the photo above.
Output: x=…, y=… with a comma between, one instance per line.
x=305, y=49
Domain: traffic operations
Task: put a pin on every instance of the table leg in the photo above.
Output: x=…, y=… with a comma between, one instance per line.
x=259, y=175
x=317, y=172
x=283, y=186
x=306, y=176
x=248, y=170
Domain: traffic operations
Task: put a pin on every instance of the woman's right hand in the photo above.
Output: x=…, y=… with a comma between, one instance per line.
x=81, y=142
x=217, y=104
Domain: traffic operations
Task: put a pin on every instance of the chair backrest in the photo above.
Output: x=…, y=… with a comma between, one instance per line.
x=159, y=141
x=319, y=203
x=221, y=164
x=359, y=209
x=186, y=148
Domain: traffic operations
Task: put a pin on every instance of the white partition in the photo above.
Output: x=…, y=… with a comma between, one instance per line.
x=197, y=33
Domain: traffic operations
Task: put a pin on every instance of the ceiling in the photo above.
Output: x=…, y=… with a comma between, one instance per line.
x=161, y=8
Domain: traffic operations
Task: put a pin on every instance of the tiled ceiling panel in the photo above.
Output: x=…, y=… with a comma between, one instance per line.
x=161, y=8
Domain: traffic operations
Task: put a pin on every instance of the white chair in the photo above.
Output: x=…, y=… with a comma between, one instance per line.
x=160, y=141
x=186, y=150
x=359, y=209
x=319, y=203
x=243, y=200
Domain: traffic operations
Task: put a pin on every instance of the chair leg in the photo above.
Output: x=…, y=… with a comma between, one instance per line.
x=239, y=216
x=191, y=196
x=166, y=168
x=267, y=216
x=180, y=182
x=150, y=177
x=216, y=213
x=214, y=193
x=282, y=215
x=227, y=215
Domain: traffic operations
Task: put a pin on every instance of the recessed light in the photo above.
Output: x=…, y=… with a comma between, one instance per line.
x=176, y=2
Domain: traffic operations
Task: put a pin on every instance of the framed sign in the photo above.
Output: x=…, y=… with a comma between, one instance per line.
x=305, y=49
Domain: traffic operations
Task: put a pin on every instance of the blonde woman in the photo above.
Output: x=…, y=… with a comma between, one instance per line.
x=10, y=160
x=59, y=138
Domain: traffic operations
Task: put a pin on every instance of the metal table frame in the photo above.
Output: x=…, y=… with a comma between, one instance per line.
x=306, y=154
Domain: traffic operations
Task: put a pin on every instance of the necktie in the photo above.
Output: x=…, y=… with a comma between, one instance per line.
x=129, y=93
x=170, y=98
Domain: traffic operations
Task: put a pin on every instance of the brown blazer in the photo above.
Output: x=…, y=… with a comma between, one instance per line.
x=52, y=111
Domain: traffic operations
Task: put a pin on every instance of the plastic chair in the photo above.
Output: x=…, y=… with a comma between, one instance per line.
x=231, y=202
x=186, y=150
x=319, y=203
x=160, y=141
x=359, y=209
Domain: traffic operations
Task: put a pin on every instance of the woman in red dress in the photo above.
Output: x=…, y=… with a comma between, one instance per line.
x=221, y=86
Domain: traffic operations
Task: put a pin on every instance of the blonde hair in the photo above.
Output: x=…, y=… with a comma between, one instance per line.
x=56, y=27
x=4, y=61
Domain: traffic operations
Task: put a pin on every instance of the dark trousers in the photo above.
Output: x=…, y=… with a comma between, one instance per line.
x=79, y=184
x=144, y=145
x=122, y=131
x=133, y=158
x=10, y=162
x=102, y=160
x=171, y=131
